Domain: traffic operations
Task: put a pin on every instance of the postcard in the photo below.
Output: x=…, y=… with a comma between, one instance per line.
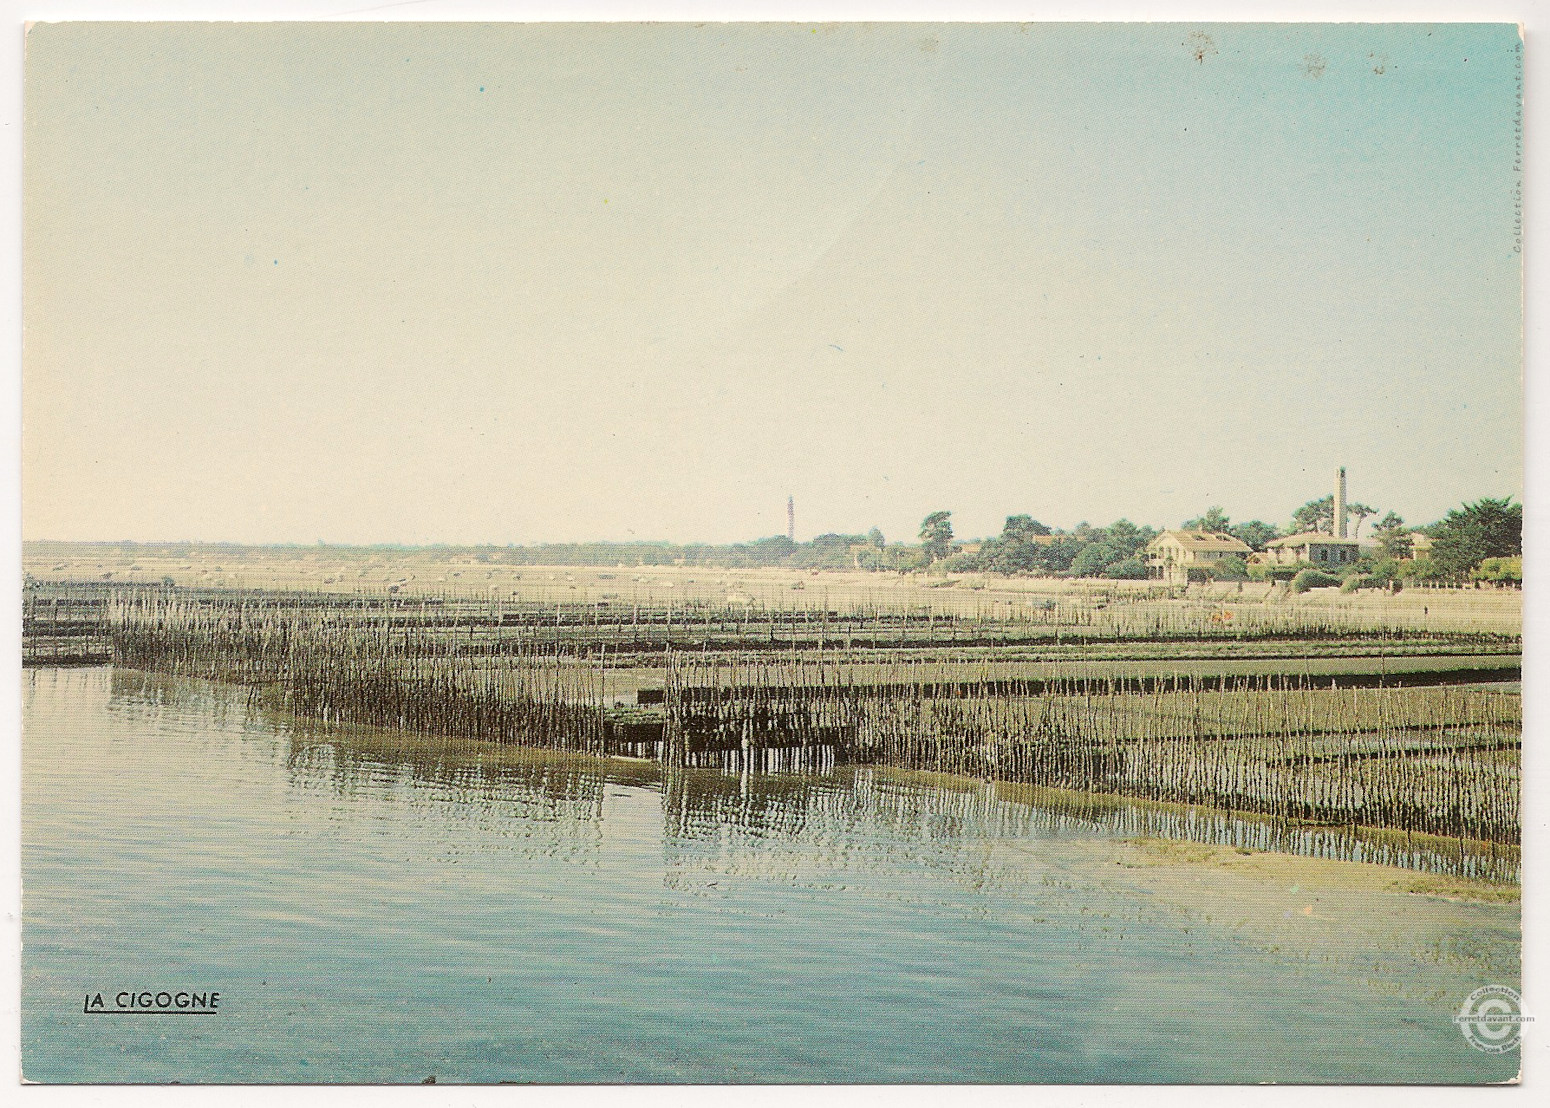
x=772, y=553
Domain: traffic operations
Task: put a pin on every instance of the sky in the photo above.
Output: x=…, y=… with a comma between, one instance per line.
x=491, y=284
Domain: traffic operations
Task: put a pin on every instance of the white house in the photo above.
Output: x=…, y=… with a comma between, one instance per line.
x=1179, y=555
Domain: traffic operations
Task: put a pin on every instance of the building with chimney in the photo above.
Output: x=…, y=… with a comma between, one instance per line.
x=1317, y=548
x=1314, y=547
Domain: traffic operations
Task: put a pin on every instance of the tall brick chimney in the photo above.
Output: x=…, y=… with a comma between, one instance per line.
x=1340, y=502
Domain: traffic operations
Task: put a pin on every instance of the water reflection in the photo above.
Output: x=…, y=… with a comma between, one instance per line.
x=841, y=806
x=383, y=907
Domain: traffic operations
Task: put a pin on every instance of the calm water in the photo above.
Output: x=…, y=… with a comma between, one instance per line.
x=370, y=913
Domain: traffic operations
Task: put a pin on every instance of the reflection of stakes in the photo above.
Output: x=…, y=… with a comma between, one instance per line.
x=1279, y=746
x=1276, y=745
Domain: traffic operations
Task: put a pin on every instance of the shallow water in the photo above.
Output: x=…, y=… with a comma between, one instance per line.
x=373, y=907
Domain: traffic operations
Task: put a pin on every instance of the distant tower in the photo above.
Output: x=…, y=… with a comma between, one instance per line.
x=1340, y=514
x=791, y=517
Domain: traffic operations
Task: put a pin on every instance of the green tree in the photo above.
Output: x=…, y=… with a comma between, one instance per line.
x=1386, y=569
x=1021, y=527
x=1467, y=536
x=1128, y=569
x=1056, y=557
x=1015, y=550
x=1231, y=568
x=875, y=537
x=936, y=535
x=1393, y=537
x=1214, y=520
x=1315, y=515
x=1097, y=551
x=772, y=550
x=1319, y=515
x=1422, y=569
x=1092, y=561
x=1500, y=571
x=1313, y=579
x=1255, y=533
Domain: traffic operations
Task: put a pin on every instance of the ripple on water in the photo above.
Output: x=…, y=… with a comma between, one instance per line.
x=374, y=907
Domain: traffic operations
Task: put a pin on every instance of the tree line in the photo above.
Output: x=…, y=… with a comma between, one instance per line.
x=1479, y=541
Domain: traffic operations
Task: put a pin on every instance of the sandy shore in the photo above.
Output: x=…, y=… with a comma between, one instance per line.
x=1371, y=916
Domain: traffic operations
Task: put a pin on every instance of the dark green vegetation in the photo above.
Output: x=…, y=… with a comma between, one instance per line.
x=1311, y=578
x=1319, y=515
x=1466, y=537
x=1026, y=546
x=936, y=535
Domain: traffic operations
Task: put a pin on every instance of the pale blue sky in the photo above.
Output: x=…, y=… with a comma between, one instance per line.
x=506, y=284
